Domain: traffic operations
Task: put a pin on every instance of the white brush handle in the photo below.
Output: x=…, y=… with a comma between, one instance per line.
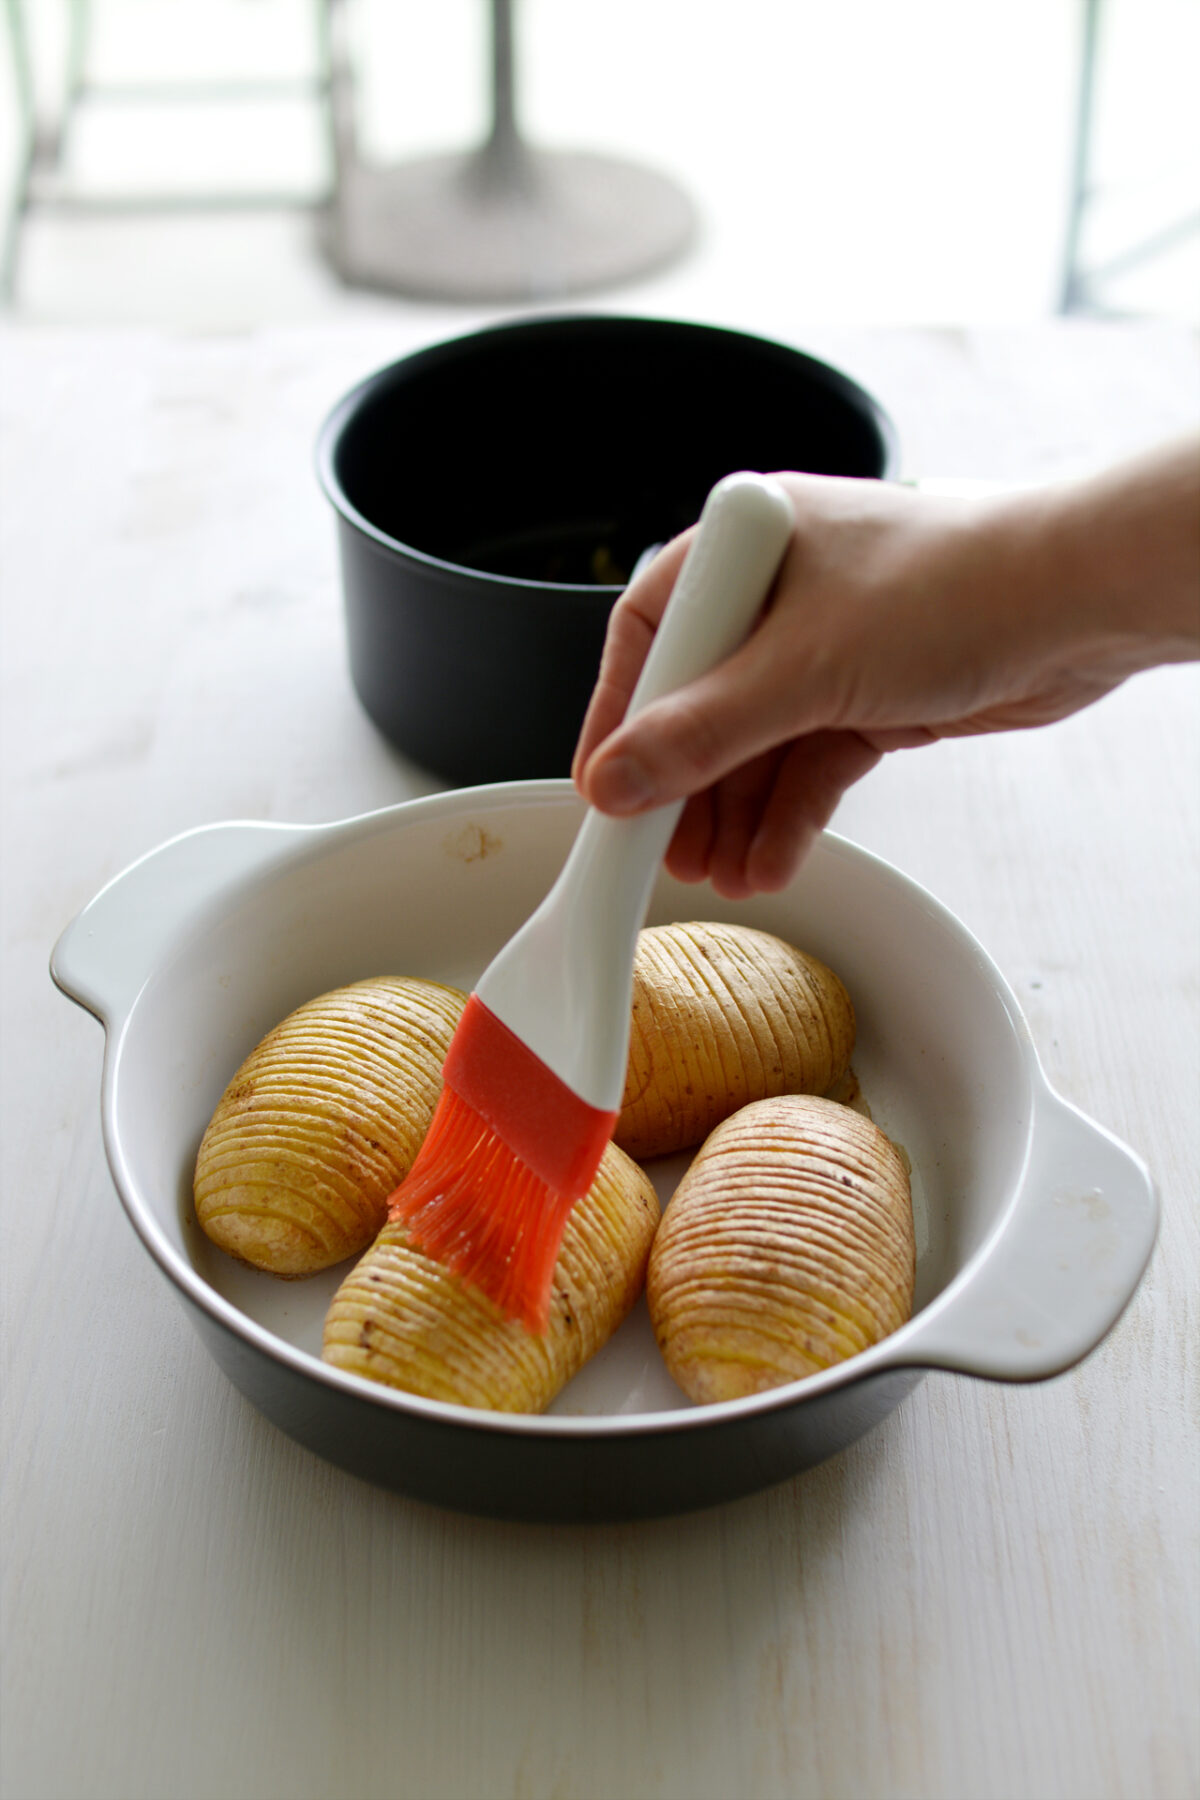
x=564, y=983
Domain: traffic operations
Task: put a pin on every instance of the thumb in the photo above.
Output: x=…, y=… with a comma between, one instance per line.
x=684, y=742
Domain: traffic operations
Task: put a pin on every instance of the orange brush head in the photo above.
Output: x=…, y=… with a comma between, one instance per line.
x=510, y=1150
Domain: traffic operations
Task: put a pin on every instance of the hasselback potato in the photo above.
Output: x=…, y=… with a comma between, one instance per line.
x=322, y=1122
x=402, y=1319
x=787, y=1247
x=724, y=1015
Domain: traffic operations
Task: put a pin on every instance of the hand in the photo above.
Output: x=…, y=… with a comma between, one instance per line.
x=896, y=619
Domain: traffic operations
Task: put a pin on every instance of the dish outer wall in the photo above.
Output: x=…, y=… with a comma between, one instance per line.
x=1026, y=1255
x=580, y=1477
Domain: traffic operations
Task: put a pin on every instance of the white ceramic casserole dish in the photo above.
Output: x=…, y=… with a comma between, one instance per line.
x=1033, y=1224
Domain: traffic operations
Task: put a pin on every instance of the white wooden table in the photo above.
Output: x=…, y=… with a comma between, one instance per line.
x=993, y=1595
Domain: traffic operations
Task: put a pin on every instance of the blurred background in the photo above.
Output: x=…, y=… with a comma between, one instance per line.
x=177, y=162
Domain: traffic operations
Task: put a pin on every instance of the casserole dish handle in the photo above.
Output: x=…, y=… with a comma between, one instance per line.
x=1062, y=1267
x=107, y=953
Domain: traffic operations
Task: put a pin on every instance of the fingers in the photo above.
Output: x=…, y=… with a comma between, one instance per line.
x=810, y=781
x=751, y=833
x=717, y=827
x=691, y=847
x=741, y=802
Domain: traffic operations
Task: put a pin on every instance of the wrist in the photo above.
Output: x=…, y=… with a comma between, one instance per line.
x=1109, y=566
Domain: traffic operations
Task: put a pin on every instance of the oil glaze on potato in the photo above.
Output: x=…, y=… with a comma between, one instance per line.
x=322, y=1122
x=787, y=1247
x=724, y=1015
x=402, y=1319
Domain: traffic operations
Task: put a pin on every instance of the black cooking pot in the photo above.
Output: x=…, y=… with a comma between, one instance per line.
x=494, y=493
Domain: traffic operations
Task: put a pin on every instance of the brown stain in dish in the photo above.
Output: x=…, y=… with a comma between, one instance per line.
x=474, y=843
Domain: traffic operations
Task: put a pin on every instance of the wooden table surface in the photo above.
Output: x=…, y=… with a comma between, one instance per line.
x=993, y=1595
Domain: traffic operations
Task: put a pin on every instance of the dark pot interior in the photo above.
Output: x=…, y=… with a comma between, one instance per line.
x=494, y=493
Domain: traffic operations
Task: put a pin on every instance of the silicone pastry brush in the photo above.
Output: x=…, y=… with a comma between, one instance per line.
x=536, y=1069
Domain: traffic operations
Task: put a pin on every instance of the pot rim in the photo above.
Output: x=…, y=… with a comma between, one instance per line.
x=346, y=409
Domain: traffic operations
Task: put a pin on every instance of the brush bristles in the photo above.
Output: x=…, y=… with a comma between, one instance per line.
x=470, y=1202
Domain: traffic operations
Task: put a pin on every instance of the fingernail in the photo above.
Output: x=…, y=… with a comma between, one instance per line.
x=623, y=785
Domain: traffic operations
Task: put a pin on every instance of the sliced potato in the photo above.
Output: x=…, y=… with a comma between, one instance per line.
x=724, y=1015
x=322, y=1122
x=787, y=1247
x=402, y=1319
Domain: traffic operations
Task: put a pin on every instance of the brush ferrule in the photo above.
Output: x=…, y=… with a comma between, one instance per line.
x=543, y=1121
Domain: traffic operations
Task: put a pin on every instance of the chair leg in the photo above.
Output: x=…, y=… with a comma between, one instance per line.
x=27, y=145
x=1073, y=289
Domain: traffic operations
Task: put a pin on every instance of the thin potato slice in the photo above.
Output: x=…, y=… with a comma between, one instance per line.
x=322, y=1122
x=724, y=1015
x=402, y=1319
x=787, y=1247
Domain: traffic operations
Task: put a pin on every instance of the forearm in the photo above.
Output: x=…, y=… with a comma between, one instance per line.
x=1117, y=557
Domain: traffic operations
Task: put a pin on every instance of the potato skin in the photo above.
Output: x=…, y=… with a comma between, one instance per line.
x=724, y=1015
x=787, y=1247
x=402, y=1319
x=322, y=1122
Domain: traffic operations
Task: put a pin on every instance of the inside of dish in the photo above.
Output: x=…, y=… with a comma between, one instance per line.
x=628, y=1375
x=944, y=1064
